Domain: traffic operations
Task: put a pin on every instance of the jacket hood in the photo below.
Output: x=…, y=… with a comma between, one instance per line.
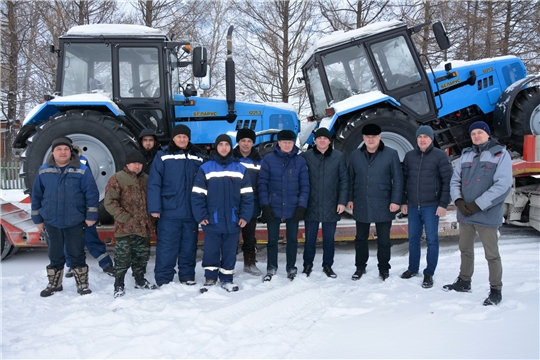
x=74, y=162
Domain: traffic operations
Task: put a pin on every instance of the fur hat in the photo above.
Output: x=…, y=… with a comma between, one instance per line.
x=286, y=135
x=245, y=133
x=479, y=125
x=425, y=130
x=135, y=157
x=181, y=130
x=64, y=140
x=322, y=132
x=371, y=129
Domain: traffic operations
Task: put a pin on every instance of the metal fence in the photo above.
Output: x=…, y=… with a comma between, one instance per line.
x=9, y=174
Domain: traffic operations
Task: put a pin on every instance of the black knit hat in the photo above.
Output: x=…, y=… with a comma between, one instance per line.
x=425, y=130
x=223, y=137
x=148, y=132
x=479, y=125
x=245, y=133
x=135, y=157
x=322, y=132
x=286, y=135
x=371, y=129
x=181, y=129
x=64, y=140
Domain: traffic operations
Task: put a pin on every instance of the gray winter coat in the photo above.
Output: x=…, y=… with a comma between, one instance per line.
x=484, y=177
x=328, y=184
x=374, y=183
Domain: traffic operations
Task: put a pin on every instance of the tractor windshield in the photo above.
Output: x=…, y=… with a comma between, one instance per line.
x=87, y=69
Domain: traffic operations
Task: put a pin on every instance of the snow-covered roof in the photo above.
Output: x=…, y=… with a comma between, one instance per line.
x=338, y=37
x=114, y=30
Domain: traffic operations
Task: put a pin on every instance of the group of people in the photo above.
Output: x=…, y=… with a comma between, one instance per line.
x=175, y=189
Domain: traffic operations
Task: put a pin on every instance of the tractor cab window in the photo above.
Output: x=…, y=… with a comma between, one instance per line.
x=87, y=69
x=316, y=92
x=139, y=72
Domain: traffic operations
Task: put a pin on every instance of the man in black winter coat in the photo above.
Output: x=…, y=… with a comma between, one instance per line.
x=375, y=191
x=328, y=191
x=426, y=172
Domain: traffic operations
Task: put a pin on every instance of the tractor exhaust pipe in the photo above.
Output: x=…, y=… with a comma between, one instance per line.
x=230, y=78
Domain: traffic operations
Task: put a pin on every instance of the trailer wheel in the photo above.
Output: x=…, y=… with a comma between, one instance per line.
x=7, y=248
x=525, y=116
x=398, y=131
x=103, y=140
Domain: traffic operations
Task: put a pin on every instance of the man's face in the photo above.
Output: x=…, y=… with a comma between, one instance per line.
x=148, y=142
x=181, y=141
x=245, y=146
x=61, y=155
x=479, y=137
x=286, y=145
x=372, y=142
x=223, y=148
x=322, y=143
x=423, y=142
x=135, y=167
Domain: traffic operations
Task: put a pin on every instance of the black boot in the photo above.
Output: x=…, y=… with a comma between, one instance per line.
x=119, y=287
x=494, y=298
x=329, y=272
x=208, y=284
x=69, y=273
x=142, y=283
x=428, y=282
x=81, y=278
x=55, y=281
x=307, y=269
x=249, y=264
x=459, y=285
x=358, y=274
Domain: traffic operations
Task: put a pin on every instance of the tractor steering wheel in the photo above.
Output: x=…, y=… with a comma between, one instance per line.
x=142, y=86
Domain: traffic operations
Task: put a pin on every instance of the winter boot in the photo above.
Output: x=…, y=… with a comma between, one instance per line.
x=267, y=277
x=229, y=286
x=383, y=274
x=459, y=286
x=408, y=274
x=207, y=284
x=109, y=270
x=428, y=282
x=329, y=272
x=142, y=283
x=249, y=265
x=69, y=273
x=494, y=298
x=55, y=281
x=358, y=274
x=307, y=270
x=188, y=282
x=81, y=278
x=119, y=287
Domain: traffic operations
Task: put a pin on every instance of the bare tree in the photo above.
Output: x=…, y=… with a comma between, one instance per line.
x=348, y=15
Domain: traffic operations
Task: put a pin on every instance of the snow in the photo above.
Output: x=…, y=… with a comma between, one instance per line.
x=113, y=29
x=308, y=318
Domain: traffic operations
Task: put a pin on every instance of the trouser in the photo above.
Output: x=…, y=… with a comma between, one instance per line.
x=328, y=232
x=489, y=238
x=418, y=219
x=72, y=238
x=219, y=256
x=95, y=247
x=248, y=237
x=292, y=244
x=383, y=244
x=176, y=244
x=131, y=251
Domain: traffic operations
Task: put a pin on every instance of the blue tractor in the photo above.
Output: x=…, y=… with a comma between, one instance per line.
x=113, y=81
x=375, y=74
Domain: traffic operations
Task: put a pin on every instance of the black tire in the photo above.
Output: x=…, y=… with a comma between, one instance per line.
x=8, y=249
x=525, y=116
x=103, y=140
x=398, y=131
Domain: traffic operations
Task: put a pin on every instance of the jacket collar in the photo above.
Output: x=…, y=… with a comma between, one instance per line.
x=328, y=152
x=253, y=155
x=380, y=148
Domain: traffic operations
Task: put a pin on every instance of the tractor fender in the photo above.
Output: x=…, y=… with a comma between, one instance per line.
x=503, y=109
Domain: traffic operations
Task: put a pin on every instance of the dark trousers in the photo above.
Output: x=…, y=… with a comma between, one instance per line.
x=72, y=238
x=95, y=247
x=248, y=237
x=383, y=244
x=328, y=232
x=292, y=244
x=219, y=257
x=131, y=251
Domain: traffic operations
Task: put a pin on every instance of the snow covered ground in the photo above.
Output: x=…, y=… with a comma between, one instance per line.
x=308, y=318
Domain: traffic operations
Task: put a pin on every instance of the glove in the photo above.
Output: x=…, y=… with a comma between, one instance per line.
x=462, y=206
x=298, y=214
x=473, y=208
x=267, y=214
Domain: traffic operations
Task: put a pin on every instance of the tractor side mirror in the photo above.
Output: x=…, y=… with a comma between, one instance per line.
x=205, y=83
x=200, y=62
x=441, y=36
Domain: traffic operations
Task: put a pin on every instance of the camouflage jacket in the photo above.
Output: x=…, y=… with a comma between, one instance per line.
x=125, y=199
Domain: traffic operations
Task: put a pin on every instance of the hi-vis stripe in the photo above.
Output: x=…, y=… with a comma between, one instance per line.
x=218, y=174
x=181, y=157
x=57, y=171
x=251, y=166
x=199, y=190
x=246, y=190
x=223, y=271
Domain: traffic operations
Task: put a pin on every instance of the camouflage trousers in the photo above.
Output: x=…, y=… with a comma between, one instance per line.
x=131, y=251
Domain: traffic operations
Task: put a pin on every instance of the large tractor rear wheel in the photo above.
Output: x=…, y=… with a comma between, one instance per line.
x=398, y=131
x=7, y=249
x=525, y=116
x=103, y=140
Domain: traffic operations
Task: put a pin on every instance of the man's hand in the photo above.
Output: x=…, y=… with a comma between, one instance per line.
x=350, y=205
x=41, y=227
x=205, y=222
x=267, y=214
x=89, y=222
x=440, y=211
x=404, y=209
x=462, y=206
x=394, y=207
x=299, y=213
x=340, y=208
x=156, y=215
x=242, y=223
